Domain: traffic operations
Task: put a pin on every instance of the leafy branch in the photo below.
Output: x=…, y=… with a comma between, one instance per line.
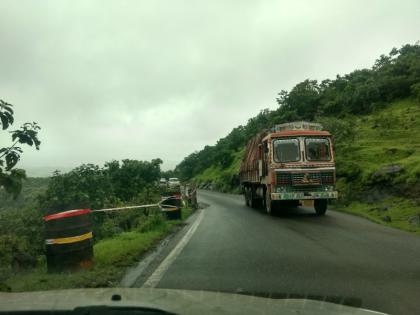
x=10, y=178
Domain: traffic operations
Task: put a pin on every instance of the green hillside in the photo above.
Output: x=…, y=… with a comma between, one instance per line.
x=378, y=165
x=379, y=170
x=222, y=179
x=385, y=149
x=374, y=115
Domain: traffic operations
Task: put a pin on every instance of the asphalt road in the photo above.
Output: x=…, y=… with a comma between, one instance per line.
x=338, y=257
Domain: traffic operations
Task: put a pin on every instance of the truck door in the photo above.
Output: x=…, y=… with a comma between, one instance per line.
x=266, y=159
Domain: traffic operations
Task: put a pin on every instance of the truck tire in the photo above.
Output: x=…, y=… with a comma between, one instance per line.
x=252, y=200
x=246, y=196
x=253, y=203
x=295, y=203
x=269, y=205
x=320, y=206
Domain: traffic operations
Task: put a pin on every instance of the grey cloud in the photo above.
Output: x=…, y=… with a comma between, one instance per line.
x=145, y=79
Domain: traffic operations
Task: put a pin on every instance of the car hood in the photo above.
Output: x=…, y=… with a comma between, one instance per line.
x=174, y=301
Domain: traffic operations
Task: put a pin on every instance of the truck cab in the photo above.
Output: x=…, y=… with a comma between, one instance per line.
x=295, y=164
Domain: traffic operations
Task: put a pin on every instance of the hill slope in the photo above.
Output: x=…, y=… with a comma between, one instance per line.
x=31, y=188
x=379, y=168
x=374, y=117
x=378, y=165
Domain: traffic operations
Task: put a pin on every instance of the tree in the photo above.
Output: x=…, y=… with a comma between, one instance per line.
x=10, y=177
x=302, y=100
x=95, y=187
x=393, y=76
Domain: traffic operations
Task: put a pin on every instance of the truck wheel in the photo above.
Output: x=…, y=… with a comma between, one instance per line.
x=252, y=200
x=320, y=206
x=246, y=196
x=268, y=204
x=295, y=203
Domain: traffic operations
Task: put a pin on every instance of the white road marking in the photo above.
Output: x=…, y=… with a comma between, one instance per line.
x=157, y=275
x=133, y=274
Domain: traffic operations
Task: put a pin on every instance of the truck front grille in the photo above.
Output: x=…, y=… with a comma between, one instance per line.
x=328, y=177
x=283, y=179
x=305, y=178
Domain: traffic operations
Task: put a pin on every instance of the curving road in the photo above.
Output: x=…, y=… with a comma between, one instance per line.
x=338, y=257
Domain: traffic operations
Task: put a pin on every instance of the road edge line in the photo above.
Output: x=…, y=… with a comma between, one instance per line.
x=157, y=275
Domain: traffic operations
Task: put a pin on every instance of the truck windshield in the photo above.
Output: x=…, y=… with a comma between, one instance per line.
x=317, y=149
x=286, y=150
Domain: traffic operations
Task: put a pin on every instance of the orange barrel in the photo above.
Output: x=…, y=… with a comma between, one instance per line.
x=172, y=206
x=69, y=243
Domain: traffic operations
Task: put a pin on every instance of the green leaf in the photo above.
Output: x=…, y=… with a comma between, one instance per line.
x=4, y=121
x=9, y=117
x=11, y=160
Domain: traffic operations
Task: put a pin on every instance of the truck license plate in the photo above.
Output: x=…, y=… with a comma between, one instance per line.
x=307, y=203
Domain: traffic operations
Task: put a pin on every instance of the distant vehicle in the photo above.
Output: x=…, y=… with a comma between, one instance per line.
x=163, y=183
x=173, y=182
x=289, y=163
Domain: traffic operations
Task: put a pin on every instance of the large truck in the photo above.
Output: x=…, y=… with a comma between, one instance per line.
x=290, y=164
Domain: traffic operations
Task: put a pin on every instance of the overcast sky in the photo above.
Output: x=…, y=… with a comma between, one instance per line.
x=145, y=79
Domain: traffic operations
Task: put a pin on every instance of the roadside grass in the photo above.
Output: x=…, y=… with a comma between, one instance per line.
x=112, y=257
x=393, y=212
x=186, y=212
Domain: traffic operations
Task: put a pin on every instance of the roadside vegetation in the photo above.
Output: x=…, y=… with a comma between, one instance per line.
x=374, y=115
x=31, y=188
x=113, y=255
x=120, y=238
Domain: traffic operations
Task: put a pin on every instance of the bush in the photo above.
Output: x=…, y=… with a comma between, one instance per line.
x=342, y=130
x=27, y=225
x=149, y=223
x=108, y=228
x=87, y=186
x=415, y=90
x=15, y=255
x=348, y=170
x=94, y=187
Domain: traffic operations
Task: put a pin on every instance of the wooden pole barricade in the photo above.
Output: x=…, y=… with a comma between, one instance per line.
x=69, y=240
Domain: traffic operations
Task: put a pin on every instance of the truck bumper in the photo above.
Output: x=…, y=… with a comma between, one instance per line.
x=305, y=195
